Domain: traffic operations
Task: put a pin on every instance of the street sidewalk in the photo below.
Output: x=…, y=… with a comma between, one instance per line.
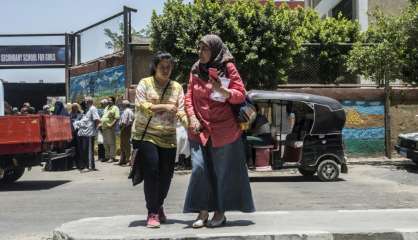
x=382, y=159
x=393, y=224
x=350, y=161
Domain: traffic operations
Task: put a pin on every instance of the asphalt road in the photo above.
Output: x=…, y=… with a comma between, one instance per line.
x=41, y=201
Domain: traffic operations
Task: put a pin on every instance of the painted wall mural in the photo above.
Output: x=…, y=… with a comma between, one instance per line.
x=364, y=131
x=99, y=84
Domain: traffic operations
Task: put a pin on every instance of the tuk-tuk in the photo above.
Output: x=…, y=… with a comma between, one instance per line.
x=305, y=132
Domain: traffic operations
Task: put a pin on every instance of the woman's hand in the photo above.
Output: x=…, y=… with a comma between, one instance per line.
x=194, y=125
x=170, y=108
x=164, y=108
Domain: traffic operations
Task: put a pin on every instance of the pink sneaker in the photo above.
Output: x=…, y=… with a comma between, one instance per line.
x=161, y=215
x=153, y=221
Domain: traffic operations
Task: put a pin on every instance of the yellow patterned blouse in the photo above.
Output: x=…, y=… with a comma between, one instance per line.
x=162, y=128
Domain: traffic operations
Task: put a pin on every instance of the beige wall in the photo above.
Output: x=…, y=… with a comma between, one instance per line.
x=388, y=6
x=141, y=62
x=392, y=7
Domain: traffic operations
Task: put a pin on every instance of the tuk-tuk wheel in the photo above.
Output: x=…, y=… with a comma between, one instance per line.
x=306, y=173
x=328, y=170
x=12, y=174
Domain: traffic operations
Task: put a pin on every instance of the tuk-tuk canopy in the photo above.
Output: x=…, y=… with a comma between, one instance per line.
x=276, y=96
x=329, y=115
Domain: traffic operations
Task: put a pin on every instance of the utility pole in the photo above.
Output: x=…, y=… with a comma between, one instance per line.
x=388, y=144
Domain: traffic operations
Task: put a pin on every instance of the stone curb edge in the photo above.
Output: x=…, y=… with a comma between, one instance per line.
x=390, y=235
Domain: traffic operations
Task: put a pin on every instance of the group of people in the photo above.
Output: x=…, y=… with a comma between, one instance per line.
x=25, y=109
x=219, y=180
x=89, y=122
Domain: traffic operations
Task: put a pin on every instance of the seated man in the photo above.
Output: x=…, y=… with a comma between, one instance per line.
x=259, y=134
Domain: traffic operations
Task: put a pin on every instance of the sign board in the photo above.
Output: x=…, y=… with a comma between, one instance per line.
x=1, y=98
x=32, y=55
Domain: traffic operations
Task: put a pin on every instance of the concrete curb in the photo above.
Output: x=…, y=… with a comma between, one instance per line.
x=272, y=236
x=391, y=224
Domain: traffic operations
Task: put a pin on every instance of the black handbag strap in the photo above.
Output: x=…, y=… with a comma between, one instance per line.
x=149, y=120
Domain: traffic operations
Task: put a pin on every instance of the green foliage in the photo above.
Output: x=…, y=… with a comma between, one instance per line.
x=389, y=47
x=260, y=37
x=326, y=45
x=410, y=53
x=176, y=31
x=265, y=40
x=116, y=38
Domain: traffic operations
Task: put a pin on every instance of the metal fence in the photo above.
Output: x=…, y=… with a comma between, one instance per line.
x=319, y=63
x=93, y=43
x=322, y=64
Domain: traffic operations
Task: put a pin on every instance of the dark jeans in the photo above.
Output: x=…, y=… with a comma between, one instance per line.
x=86, y=155
x=101, y=151
x=158, y=164
x=74, y=160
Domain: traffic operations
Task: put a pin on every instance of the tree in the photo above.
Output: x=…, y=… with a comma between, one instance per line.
x=266, y=41
x=261, y=37
x=376, y=51
x=325, y=48
x=410, y=54
x=116, y=38
x=388, y=48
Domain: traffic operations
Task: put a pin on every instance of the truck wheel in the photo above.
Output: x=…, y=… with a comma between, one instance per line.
x=306, y=173
x=12, y=174
x=328, y=170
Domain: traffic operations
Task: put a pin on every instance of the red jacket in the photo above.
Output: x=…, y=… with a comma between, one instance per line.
x=218, y=121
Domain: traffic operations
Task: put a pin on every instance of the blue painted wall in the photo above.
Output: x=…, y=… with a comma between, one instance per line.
x=99, y=84
x=364, y=132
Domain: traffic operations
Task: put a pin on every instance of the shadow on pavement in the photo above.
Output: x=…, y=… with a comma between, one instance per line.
x=188, y=224
x=406, y=165
x=142, y=223
x=32, y=185
x=411, y=168
x=383, y=163
x=288, y=179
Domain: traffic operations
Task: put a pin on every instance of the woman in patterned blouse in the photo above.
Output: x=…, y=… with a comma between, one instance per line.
x=158, y=144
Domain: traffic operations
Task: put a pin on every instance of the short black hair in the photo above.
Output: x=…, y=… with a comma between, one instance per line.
x=157, y=59
x=113, y=99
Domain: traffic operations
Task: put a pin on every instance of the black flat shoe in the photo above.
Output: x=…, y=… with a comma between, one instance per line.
x=217, y=223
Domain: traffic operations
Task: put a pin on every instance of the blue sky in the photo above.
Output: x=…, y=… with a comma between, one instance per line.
x=59, y=16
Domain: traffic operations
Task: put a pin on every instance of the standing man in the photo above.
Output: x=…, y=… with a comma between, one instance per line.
x=126, y=120
x=86, y=130
x=100, y=146
x=109, y=119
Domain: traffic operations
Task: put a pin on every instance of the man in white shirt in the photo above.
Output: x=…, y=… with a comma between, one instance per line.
x=86, y=131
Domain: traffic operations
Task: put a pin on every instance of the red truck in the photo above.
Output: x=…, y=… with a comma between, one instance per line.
x=29, y=140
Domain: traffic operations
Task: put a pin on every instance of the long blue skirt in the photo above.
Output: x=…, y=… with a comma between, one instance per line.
x=219, y=179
